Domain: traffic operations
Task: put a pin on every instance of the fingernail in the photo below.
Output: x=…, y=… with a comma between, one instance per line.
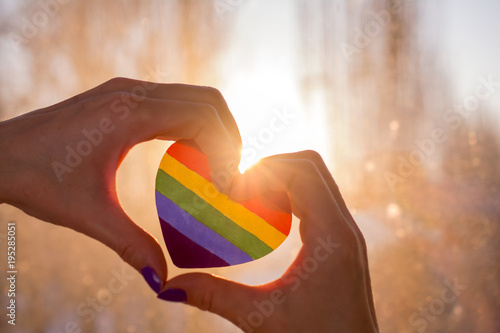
x=151, y=278
x=173, y=295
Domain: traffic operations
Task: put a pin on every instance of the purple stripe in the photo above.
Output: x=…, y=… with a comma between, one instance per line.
x=198, y=232
x=185, y=253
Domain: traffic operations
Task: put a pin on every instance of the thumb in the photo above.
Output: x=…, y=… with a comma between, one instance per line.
x=228, y=299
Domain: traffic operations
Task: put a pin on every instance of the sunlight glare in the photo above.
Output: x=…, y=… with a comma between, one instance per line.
x=265, y=108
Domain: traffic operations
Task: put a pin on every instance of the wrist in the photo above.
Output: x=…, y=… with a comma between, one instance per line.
x=6, y=161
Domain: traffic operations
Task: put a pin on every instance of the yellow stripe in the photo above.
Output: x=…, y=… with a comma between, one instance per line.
x=234, y=211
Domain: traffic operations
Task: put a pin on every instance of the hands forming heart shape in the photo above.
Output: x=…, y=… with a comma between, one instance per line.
x=59, y=164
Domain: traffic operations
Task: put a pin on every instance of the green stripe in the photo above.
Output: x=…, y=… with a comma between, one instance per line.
x=209, y=216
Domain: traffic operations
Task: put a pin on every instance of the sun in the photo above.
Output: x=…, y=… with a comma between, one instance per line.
x=270, y=116
x=269, y=123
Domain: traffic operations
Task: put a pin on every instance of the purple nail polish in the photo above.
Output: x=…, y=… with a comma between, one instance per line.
x=173, y=295
x=151, y=278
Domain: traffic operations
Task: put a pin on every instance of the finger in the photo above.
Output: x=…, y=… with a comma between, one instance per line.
x=192, y=122
x=228, y=299
x=310, y=196
x=204, y=95
x=185, y=93
x=327, y=177
x=127, y=96
x=318, y=161
x=330, y=181
x=139, y=90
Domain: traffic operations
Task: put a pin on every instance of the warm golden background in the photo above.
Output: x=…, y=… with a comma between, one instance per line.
x=365, y=89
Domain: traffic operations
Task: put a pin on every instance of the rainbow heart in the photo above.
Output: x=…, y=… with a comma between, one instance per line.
x=204, y=228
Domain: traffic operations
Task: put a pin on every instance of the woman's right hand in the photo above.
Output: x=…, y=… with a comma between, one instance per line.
x=326, y=289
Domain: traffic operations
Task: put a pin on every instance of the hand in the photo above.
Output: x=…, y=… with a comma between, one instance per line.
x=326, y=289
x=59, y=163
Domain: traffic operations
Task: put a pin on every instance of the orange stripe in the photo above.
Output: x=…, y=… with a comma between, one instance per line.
x=192, y=158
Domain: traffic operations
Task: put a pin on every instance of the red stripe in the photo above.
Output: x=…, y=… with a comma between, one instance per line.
x=275, y=215
x=192, y=158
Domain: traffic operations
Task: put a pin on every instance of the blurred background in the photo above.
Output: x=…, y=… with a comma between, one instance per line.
x=401, y=97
